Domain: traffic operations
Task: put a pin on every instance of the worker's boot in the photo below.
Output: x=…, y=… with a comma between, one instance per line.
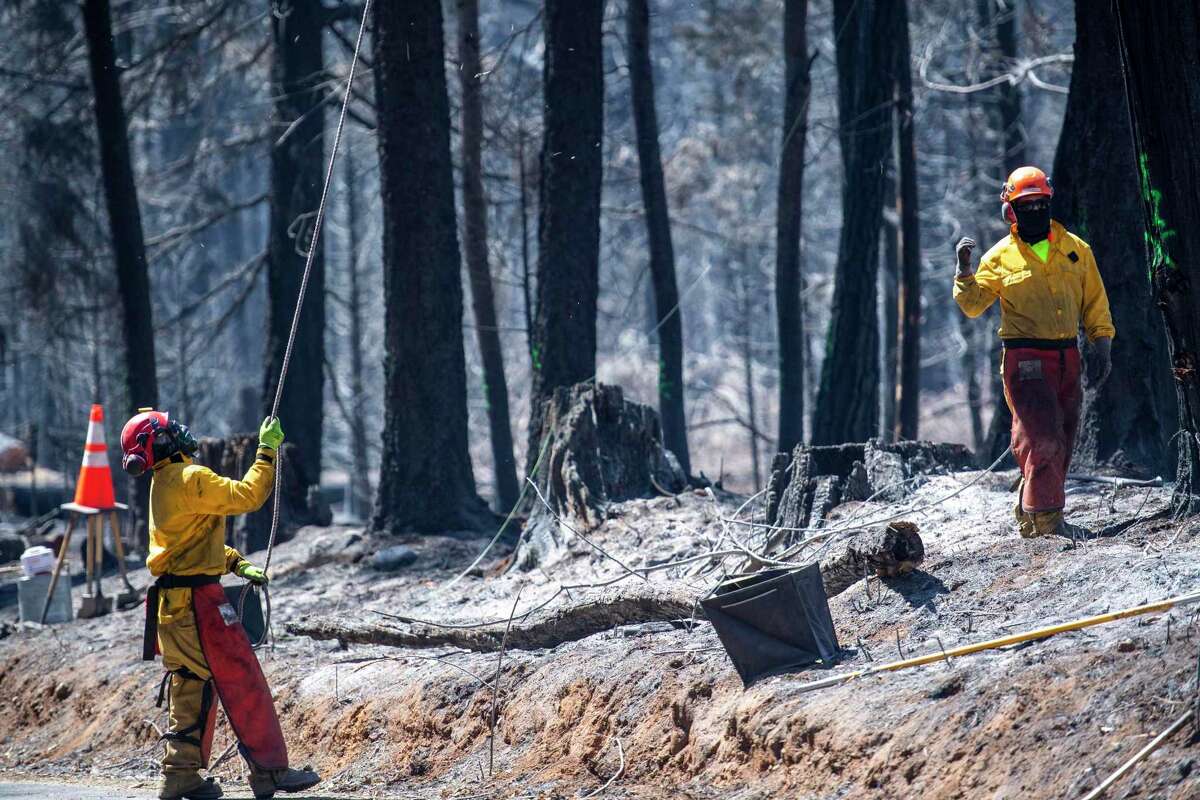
x=265, y=783
x=1025, y=525
x=188, y=786
x=1051, y=523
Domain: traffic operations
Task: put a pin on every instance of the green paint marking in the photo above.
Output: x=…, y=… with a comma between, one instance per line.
x=1157, y=234
x=535, y=353
x=665, y=387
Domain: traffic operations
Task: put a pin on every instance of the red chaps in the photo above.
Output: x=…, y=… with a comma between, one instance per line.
x=1043, y=389
x=236, y=674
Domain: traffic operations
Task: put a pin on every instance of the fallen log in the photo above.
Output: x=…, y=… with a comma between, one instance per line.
x=540, y=630
x=893, y=550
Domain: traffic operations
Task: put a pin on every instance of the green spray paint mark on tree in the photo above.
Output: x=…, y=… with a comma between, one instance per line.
x=535, y=353
x=665, y=387
x=1157, y=232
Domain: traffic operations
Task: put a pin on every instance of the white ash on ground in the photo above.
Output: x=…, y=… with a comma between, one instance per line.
x=1046, y=719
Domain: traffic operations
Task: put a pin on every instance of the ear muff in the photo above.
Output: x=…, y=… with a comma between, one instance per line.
x=1010, y=216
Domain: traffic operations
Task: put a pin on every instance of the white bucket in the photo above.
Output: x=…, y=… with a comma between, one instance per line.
x=37, y=561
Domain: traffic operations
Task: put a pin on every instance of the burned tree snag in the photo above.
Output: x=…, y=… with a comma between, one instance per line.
x=848, y=399
x=1123, y=418
x=1163, y=92
x=789, y=299
x=563, y=346
x=125, y=223
x=600, y=448
x=668, y=315
x=426, y=482
x=297, y=174
x=475, y=242
x=908, y=390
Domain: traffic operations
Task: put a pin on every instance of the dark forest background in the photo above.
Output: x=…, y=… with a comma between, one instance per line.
x=742, y=212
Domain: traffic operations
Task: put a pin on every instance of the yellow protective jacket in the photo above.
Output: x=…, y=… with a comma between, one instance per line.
x=188, y=506
x=1039, y=300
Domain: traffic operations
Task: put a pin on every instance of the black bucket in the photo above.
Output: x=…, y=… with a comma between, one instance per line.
x=252, y=619
x=774, y=621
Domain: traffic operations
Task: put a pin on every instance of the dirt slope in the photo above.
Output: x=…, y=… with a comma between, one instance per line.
x=1047, y=719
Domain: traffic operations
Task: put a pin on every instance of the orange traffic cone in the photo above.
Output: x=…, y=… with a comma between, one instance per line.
x=95, y=486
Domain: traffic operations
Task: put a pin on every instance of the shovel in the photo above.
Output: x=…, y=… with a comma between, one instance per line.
x=131, y=597
x=93, y=604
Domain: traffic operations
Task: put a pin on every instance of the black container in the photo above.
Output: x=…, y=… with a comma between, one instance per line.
x=774, y=621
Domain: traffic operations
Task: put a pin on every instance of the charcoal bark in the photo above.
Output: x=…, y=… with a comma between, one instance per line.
x=475, y=240
x=426, y=482
x=1122, y=420
x=297, y=174
x=668, y=315
x=789, y=281
x=600, y=449
x=563, y=349
x=1163, y=92
x=848, y=399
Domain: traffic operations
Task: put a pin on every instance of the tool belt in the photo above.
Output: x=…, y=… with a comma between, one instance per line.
x=150, y=632
x=1039, y=344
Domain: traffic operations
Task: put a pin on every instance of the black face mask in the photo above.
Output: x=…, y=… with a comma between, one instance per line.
x=1033, y=221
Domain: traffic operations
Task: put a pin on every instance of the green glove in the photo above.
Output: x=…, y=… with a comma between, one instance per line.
x=247, y=571
x=270, y=434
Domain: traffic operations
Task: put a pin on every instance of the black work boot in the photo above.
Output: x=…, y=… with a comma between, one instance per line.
x=265, y=783
x=188, y=786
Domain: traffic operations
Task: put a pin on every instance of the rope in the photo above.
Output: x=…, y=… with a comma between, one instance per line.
x=291, y=341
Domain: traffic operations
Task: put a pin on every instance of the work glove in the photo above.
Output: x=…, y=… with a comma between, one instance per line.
x=1100, y=364
x=963, y=251
x=247, y=571
x=270, y=434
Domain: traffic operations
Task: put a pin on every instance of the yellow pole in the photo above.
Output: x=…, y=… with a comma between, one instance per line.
x=1004, y=641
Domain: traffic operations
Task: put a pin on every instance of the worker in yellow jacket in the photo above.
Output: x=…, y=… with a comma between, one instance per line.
x=205, y=651
x=1048, y=286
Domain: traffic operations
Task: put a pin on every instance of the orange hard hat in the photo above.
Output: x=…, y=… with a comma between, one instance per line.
x=1026, y=182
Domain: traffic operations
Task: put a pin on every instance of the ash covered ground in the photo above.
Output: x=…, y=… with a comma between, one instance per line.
x=659, y=706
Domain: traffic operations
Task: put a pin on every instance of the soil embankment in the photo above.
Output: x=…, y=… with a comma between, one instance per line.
x=660, y=704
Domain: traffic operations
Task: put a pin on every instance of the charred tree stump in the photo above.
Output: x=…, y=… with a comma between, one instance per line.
x=812, y=481
x=886, y=552
x=599, y=448
x=248, y=533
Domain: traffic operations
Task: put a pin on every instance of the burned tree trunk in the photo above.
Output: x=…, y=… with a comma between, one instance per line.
x=668, y=316
x=125, y=224
x=848, y=399
x=360, y=481
x=425, y=483
x=475, y=239
x=297, y=174
x=1123, y=418
x=789, y=300
x=568, y=262
x=1163, y=92
x=908, y=390
x=1012, y=130
x=600, y=449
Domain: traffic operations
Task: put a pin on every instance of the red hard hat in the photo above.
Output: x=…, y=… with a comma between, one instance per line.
x=137, y=440
x=1026, y=182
